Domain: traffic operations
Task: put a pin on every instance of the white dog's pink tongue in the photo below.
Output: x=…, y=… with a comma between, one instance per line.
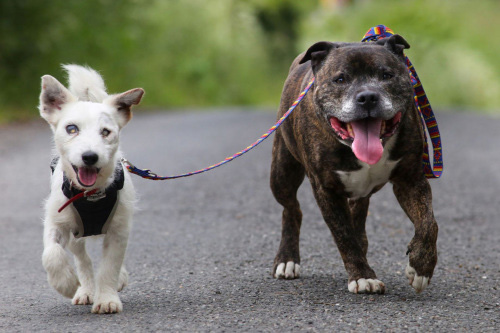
x=367, y=146
x=87, y=176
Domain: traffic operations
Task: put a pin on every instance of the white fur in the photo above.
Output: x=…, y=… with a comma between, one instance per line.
x=348, y=107
x=361, y=183
x=86, y=83
x=288, y=271
x=419, y=283
x=368, y=286
x=86, y=105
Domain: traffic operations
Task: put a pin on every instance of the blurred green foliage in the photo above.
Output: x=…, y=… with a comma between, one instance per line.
x=229, y=52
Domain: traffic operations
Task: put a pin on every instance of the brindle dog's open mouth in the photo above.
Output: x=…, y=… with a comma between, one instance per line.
x=87, y=176
x=366, y=135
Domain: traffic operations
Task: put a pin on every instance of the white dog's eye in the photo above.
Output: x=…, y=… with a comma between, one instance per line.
x=72, y=129
x=105, y=132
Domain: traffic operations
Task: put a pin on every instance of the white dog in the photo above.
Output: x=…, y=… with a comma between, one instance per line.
x=86, y=123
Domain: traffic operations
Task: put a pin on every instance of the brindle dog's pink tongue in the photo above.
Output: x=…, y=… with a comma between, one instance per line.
x=367, y=146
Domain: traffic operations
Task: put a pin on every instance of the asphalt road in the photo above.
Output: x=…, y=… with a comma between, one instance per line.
x=202, y=248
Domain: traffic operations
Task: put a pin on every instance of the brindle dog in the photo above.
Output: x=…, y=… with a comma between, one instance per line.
x=356, y=129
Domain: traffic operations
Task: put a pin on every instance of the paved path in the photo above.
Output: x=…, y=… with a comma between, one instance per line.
x=202, y=248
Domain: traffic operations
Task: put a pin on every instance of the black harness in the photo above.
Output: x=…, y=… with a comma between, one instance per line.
x=95, y=211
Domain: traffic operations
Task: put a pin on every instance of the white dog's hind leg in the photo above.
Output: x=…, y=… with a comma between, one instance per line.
x=60, y=273
x=114, y=246
x=123, y=279
x=85, y=293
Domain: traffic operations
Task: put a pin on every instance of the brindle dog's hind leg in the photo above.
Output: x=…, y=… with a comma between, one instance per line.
x=286, y=176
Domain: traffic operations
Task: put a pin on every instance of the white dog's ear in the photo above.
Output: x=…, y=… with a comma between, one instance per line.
x=123, y=103
x=54, y=95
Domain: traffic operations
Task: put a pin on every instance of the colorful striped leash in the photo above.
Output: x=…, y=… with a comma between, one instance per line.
x=146, y=173
x=424, y=108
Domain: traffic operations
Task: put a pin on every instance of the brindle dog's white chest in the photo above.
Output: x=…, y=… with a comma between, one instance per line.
x=360, y=183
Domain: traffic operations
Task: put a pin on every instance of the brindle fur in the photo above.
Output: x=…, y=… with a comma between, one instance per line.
x=306, y=145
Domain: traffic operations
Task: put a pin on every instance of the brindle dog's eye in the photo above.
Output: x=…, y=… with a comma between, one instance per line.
x=105, y=132
x=72, y=129
x=339, y=79
x=387, y=76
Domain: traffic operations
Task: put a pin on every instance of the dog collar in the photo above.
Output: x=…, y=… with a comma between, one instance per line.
x=95, y=208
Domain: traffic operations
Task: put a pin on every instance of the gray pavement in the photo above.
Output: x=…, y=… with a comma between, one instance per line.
x=202, y=248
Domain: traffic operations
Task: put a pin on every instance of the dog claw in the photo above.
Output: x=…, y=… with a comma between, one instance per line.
x=107, y=308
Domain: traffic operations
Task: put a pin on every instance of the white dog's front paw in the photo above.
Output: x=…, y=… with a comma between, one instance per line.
x=289, y=271
x=366, y=286
x=60, y=274
x=83, y=296
x=107, y=303
x=419, y=283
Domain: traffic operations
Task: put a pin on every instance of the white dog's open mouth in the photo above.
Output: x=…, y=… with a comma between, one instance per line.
x=87, y=176
x=366, y=135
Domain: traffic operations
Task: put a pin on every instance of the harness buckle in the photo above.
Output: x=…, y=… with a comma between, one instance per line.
x=96, y=196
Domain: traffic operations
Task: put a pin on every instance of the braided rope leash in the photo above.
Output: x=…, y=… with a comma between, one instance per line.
x=147, y=174
x=424, y=109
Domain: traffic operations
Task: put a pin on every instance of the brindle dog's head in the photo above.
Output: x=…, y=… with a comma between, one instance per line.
x=362, y=91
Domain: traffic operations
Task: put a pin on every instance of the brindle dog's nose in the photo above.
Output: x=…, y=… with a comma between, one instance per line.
x=90, y=158
x=367, y=99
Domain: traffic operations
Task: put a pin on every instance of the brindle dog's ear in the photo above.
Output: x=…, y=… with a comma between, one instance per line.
x=396, y=44
x=317, y=53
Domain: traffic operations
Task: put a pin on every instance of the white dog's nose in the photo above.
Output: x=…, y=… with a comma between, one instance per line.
x=90, y=158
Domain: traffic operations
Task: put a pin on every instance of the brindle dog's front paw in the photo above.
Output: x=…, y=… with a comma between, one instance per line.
x=289, y=271
x=366, y=286
x=419, y=283
x=422, y=260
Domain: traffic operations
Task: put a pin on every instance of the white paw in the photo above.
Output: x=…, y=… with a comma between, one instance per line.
x=122, y=279
x=66, y=283
x=366, y=286
x=83, y=296
x=60, y=273
x=289, y=271
x=107, y=304
x=419, y=283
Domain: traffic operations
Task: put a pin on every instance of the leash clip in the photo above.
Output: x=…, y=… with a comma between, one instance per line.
x=127, y=163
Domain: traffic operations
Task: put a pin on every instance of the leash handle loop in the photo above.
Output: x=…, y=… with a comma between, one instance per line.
x=429, y=123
